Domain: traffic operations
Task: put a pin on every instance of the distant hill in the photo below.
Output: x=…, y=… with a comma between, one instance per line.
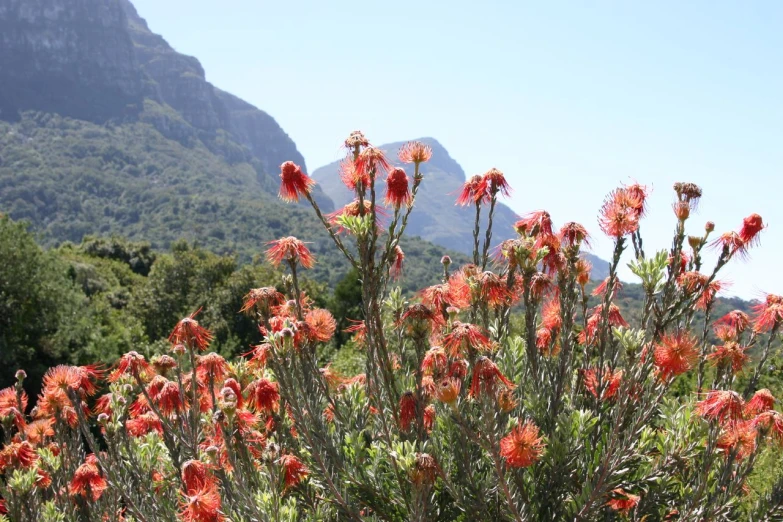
x=436, y=217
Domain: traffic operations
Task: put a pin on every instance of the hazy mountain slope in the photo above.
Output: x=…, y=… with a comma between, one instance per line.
x=436, y=218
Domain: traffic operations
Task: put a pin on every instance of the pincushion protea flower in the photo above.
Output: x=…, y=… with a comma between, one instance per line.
x=731, y=325
x=731, y=355
x=772, y=422
x=408, y=406
x=761, y=401
x=725, y=406
x=622, y=501
x=263, y=395
x=9, y=404
x=289, y=249
x=610, y=382
x=486, y=377
x=322, y=324
x=463, y=337
x=474, y=191
x=738, y=438
x=675, y=354
x=573, y=234
x=751, y=226
x=355, y=140
x=398, y=191
x=293, y=182
x=415, y=152
x=372, y=162
x=522, y=447
x=202, y=505
x=620, y=213
x=294, y=471
x=262, y=300
x=495, y=182
x=425, y=469
x=536, y=224
x=190, y=333
x=18, y=454
x=87, y=480
x=399, y=258
x=768, y=314
x=447, y=391
x=132, y=363
x=352, y=177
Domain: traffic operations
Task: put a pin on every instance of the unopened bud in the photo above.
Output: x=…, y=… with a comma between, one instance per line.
x=179, y=349
x=21, y=375
x=103, y=418
x=445, y=260
x=709, y=227
x=694, y=242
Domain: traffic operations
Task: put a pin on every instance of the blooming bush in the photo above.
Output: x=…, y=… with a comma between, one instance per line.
x=457, y=416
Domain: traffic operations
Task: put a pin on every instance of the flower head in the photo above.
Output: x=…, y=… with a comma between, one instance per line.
x=263, y=395
x=447, y=391
x=609, y=385
x=573, y=234
x=399, y=258
x=675, y=354
x=371, y=162
x=463, y=337
x=291, y=250
x=620, y=213
x=321, y=324
x=293, y=182
x=761, y=401
x=523, y=446
x=351, y=176
x=262, y=300
x=768, y=314
x=731, y=355
x=622, y=501
x=87, y=480
x=408, y=406
x=294, y=471
x=425, y=469
x=486, y=377
x=356, y=140
x=474, y=191
x=190, y=333
x=725, y=406
x=398, y=192
x=535, y=224
x=131, y=363
x=415, y=152
x=202, y=505
x=495, y=182
x=751, y=226
x=738, y=438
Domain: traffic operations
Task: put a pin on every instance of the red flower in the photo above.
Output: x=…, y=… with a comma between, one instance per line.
x=355, y=140
x=486, y=377
x=262, y=300
x=601, y=289
x=196, y=476
x=399, y=258
x=522, y=447
x=351, y=176
x=291, y=250
x=535, y=224
x=637, y=198
x=190, y=333
x=408, y=405
x=415, y=152
x=731, y=325
x=434, y=361
x=263, y=395
x=294, y=470
x=62, y=378
x=731, y=354
x=397, y=190
x=732, y=245
x=9, y=405
x=751, y=226
x=372, y=162
x=583, y=269
x=573, y=234
x=39, y=430
x=294, y=182
x=772, y=421
x=761, y=401
x=429, y=418
x=768, y=314
x=166, y=396
x=495, y=182
x=143, y=424
x=359, y=331
x=610, y=382
x=676, y=354
x=87, y=480
x=131, y=363
x=622, y=501
x=464, y=336
x=202, y=505
x=722, y=405
x=18, y=455
x=321, y=324
x=474, y=191
x=455, y=293
x=620, y=213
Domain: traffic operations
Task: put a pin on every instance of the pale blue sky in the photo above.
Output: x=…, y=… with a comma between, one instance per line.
x=567, y=98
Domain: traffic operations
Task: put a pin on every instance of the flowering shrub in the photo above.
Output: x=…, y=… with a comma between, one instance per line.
x=456, y=416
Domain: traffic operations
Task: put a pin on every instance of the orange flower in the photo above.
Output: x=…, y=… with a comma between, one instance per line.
x=731, y=244
x=495, y=182
x=211, y=365
x=262, y=300
x=321, y=323
x=166, y=396
x=415, y=152
x=731, y=325
x=486, y=377
x=464, y=336
x=434, y=361
x=196, y=475
x=731, y=354
x=359, y=329
x=408, y=406
x=143, y=424
x=474, y=191
x=620, y=213
x=583, y=269
x=601, y=289
x=493, y=289
x=768, y=314
x=722, y=405
x=190, y=333
x=202, y=505
x=448, y=390
x=291, y=250
x=259, y=355
x=293, y=182
x=39, y=430
x=294, y=470
x=62, y=378
x=454, y=293
x=263, y=395
x=761, y=401
x=676, y=354
x=87, y=480
x=18, y=455
x=740, y=438
x=772, y=421
x=397, y=190
x=523, y=446
x=622, y=501
x=429, y=417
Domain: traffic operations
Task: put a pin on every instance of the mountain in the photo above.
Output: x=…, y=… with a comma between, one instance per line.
x=436, y=217
x=105, y=128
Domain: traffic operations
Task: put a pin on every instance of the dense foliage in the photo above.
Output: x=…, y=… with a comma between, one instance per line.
x=572, y=414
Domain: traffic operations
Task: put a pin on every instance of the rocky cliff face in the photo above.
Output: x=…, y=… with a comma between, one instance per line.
x=73, y=57
x=97, y=60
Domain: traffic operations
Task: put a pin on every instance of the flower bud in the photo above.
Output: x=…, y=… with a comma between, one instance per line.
x=445, y=260
x=179, y=349
x=694, y=242
x=21, y=375
x=103, y=419
x=709, y=227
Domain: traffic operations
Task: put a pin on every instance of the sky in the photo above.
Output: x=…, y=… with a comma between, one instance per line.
x=568, y=99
